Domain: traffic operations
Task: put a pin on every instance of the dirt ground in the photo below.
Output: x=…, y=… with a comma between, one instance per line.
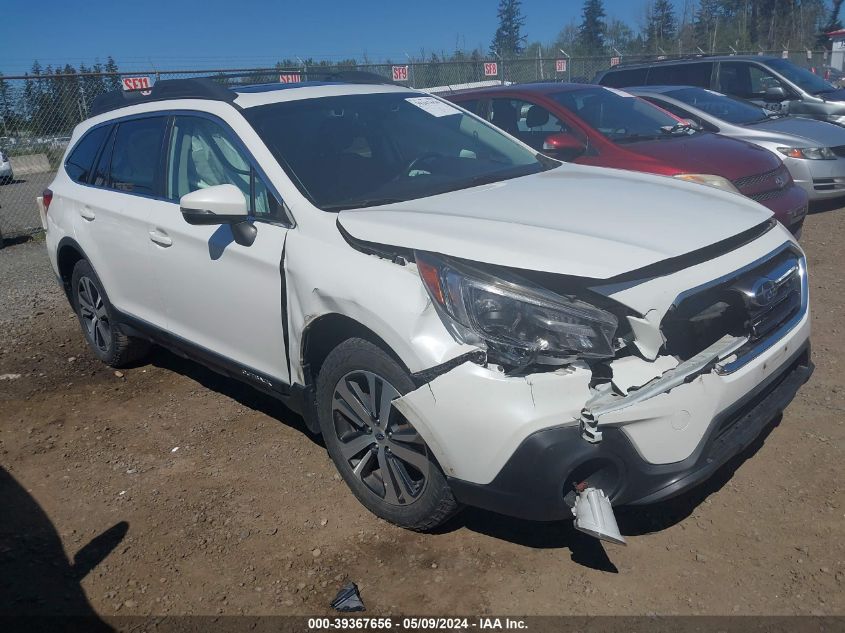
x=166, y=489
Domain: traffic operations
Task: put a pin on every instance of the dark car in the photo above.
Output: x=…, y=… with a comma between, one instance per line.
x=775, y=83
x=605, y=127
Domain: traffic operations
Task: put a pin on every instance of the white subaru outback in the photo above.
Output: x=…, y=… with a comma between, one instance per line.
x=464, y=320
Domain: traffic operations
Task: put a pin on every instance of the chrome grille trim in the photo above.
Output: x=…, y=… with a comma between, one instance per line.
x=778, y=333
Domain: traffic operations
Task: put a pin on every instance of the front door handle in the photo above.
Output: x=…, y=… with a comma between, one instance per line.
x=87, y=213
x=161, y=238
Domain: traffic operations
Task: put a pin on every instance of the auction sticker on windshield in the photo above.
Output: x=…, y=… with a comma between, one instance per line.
x=434, y=107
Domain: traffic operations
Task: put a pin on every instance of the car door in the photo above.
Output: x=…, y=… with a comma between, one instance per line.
x=750, y=81
x=223, y=298
x=115, y=211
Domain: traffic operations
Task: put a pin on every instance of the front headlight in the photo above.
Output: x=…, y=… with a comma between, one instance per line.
x=711, y=180
x=518, y=323
x=808, y=153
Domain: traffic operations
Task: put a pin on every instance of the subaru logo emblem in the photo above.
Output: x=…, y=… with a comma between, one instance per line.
x=763, y=292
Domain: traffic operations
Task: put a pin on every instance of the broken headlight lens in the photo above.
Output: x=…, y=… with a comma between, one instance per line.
x=519, y=323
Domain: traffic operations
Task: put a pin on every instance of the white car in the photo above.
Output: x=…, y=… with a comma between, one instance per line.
x=465, y=321
x=6, y=173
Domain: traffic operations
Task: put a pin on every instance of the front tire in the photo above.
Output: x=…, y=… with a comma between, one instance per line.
x=96, y=316
x=382, y=458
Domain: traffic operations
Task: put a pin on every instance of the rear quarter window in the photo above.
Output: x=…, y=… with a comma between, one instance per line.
x=696, y=74
x=624, y=78
x=81, y=160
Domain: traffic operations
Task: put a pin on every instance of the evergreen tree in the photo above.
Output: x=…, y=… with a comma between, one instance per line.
x=593, y=27
x=509, y=40
x=661, y=26
x=705, y=23
x=112, y=80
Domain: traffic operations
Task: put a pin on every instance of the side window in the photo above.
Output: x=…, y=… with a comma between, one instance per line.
x=265, y=205
x=202, y=154
x=762, y=80
x=734, y=79
x=101, y=171
x=625, y=78
x=136, y=154
x=81, y=160
x=695, y=74
x=529, y=122
x=471, y=105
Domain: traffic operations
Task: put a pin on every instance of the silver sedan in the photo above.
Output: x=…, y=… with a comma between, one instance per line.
x=813, y=151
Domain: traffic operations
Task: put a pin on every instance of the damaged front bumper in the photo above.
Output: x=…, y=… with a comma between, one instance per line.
x=517, y=445
x=546, y=465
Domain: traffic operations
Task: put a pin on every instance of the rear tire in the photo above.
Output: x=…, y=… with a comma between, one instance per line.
x=382, y=458
x=102, y=332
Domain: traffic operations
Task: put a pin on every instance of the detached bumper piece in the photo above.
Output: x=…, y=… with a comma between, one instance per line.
x=549, y=464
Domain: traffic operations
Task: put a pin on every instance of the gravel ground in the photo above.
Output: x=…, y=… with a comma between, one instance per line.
x=166, y=489
x=27, y=282
x=18, y=211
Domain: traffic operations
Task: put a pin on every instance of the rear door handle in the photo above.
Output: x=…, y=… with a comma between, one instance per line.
x=87, y=213
x=161, y=238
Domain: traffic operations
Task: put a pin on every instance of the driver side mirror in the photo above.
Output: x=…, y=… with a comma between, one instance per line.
x=775, y=93
x=563, y=146
x=220, y=204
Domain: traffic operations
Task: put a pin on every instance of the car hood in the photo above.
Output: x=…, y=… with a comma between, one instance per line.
x=787, y=129
x=836, y=95
x=573, y=220
x=709, y=154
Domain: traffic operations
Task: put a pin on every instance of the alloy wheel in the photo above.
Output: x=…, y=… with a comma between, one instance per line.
x=378, y=444
x=95, y=318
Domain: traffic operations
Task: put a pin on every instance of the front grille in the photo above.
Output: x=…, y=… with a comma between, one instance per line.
x=754, y=303
x=839, y=151
x=766, y=195
x=768, y=184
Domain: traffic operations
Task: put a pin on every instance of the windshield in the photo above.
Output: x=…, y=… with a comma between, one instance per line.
x=619, y=116
x=726, y=108
x=364, y=150
x=801, y=77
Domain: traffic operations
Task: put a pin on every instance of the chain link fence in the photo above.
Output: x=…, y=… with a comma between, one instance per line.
x=38, y=112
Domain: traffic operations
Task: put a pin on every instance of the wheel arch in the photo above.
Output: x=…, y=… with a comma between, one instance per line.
x=323, y=334
x=68, y=253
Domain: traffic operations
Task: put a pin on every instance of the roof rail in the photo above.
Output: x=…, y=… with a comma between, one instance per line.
x=208, y=88
x=676, y=58
x=350, y=77
x=163, y=90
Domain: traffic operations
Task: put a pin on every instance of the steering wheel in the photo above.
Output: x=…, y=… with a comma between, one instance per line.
x=419, y=160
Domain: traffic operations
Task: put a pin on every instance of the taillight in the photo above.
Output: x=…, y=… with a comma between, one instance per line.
x=47, y=197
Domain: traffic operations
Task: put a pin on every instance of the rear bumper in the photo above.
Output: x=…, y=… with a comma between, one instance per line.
x=538, y=475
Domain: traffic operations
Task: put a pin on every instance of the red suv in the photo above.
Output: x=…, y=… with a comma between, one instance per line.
x=594, y=125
